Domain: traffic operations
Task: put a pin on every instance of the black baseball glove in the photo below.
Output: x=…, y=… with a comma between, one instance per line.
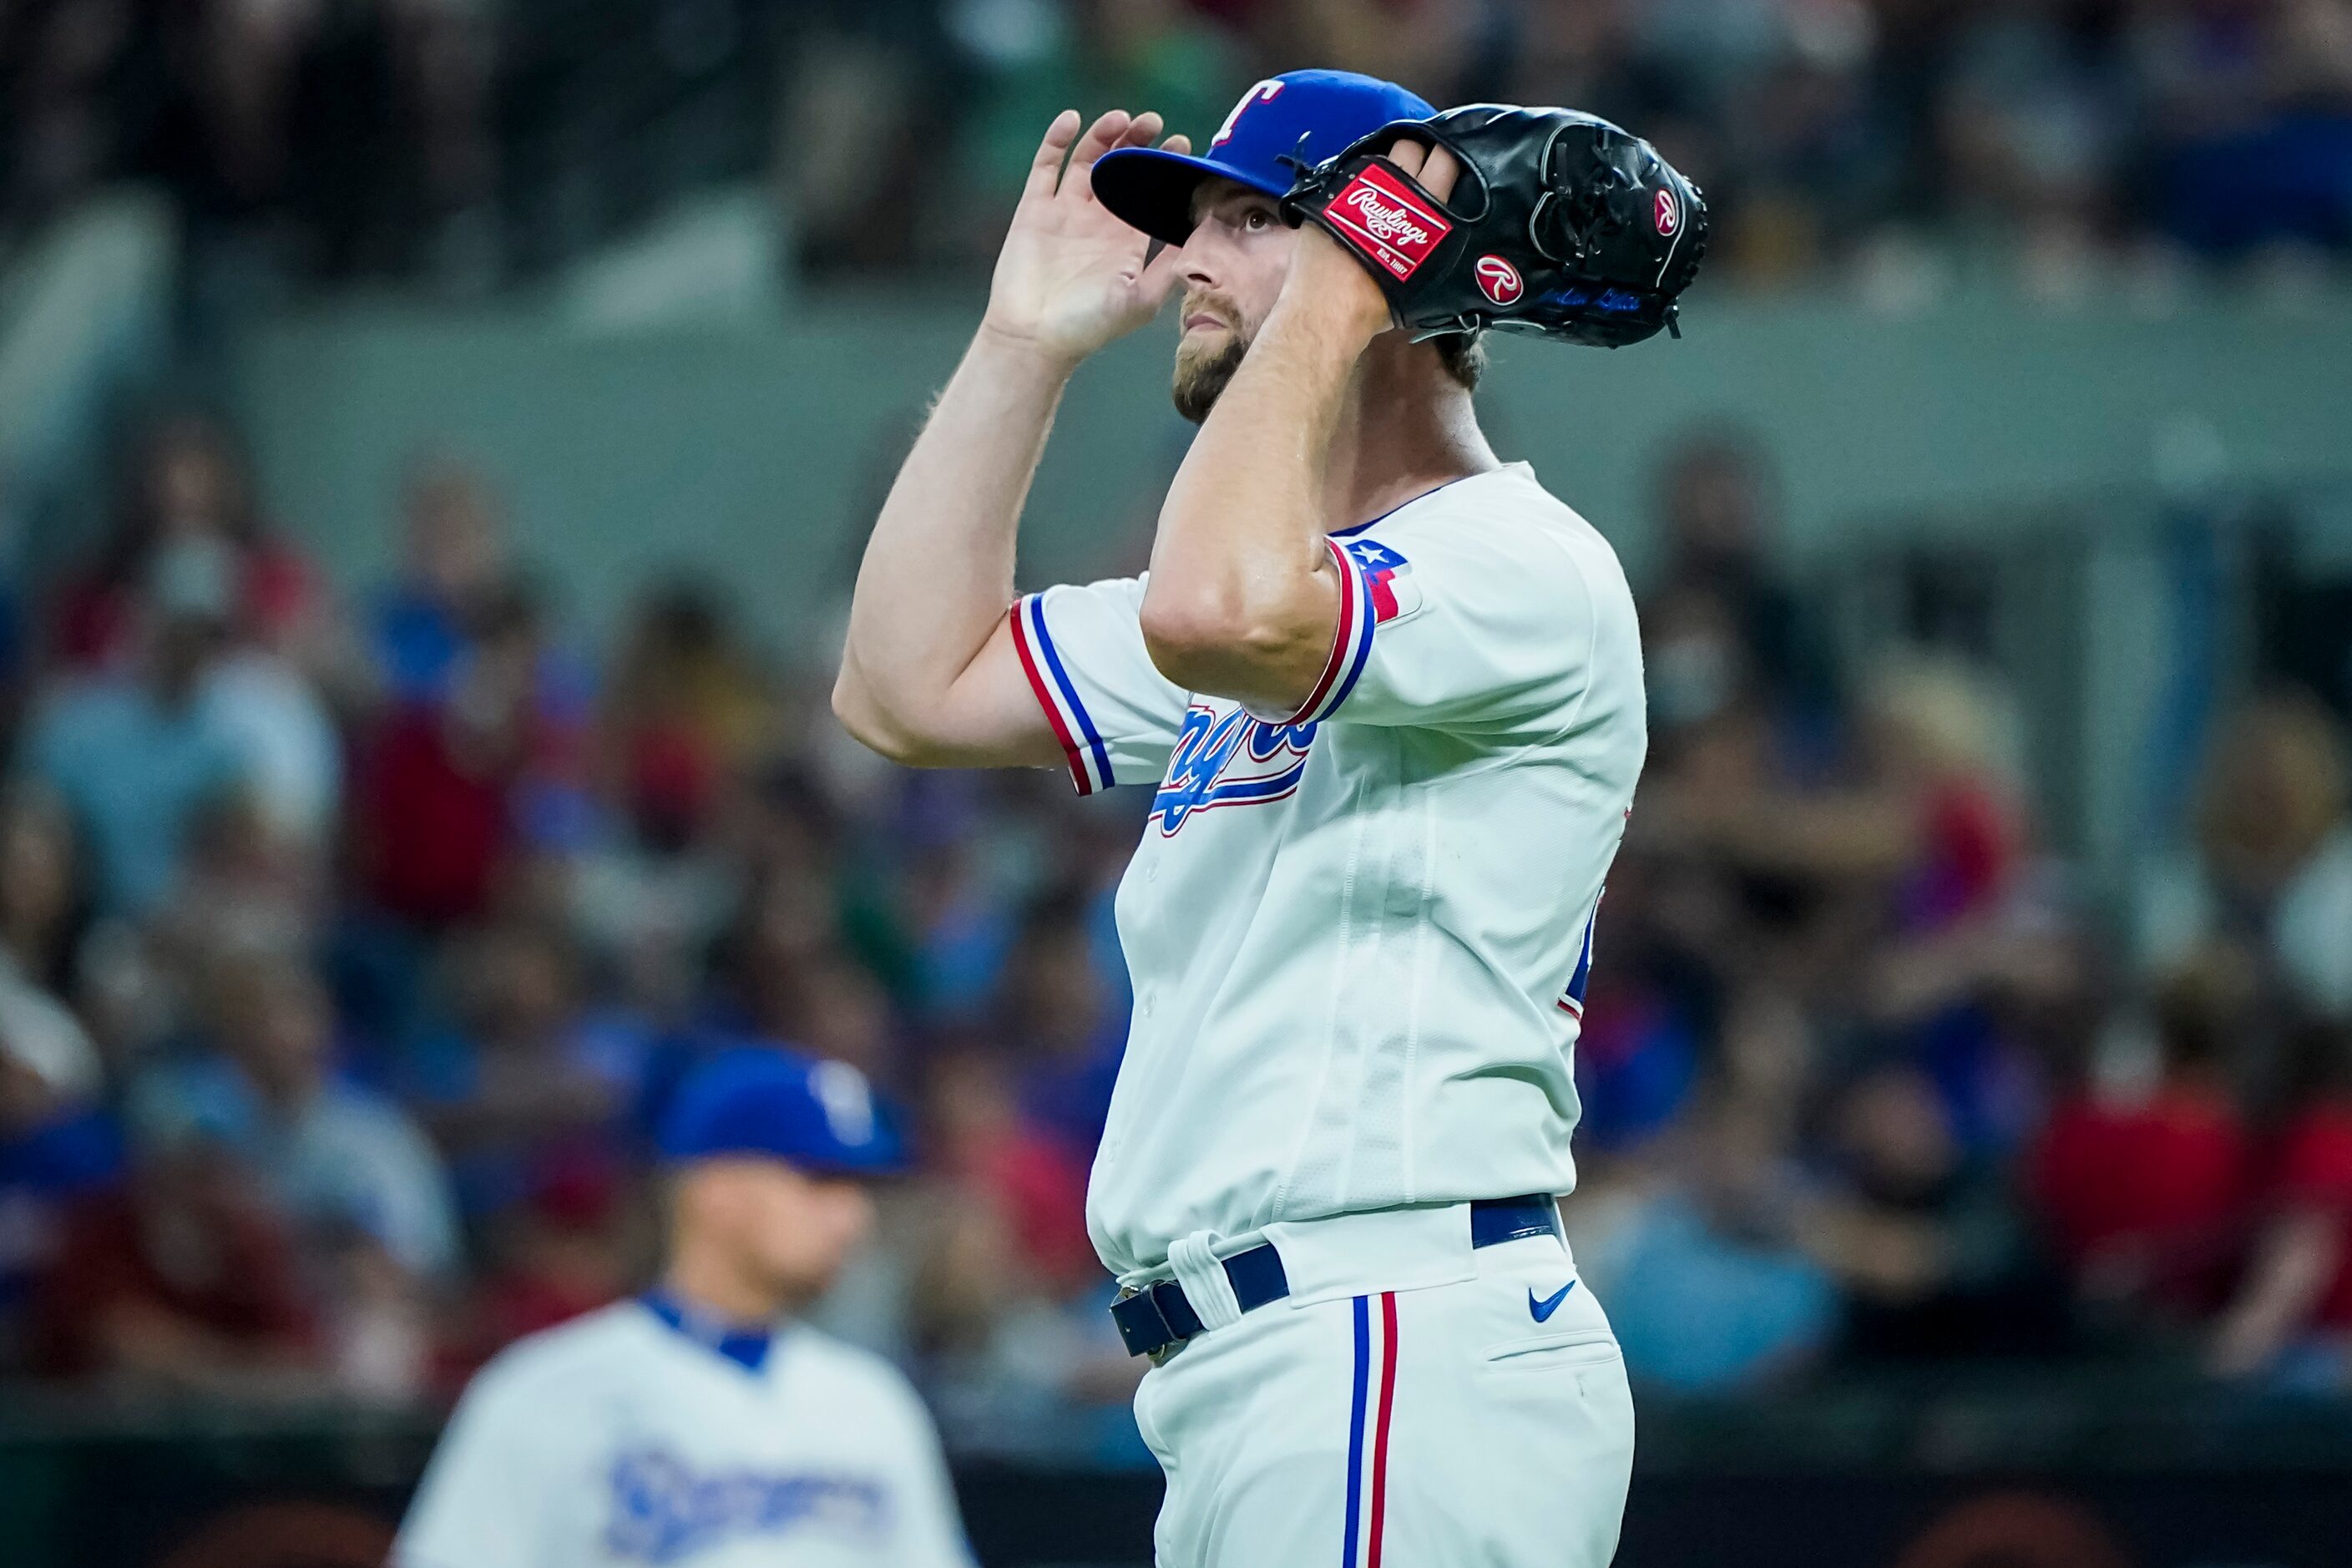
x=1560, y=224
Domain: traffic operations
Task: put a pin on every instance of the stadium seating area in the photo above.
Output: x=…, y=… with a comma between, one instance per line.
x=350, y=941
x=2077, y=145
x=353, y=935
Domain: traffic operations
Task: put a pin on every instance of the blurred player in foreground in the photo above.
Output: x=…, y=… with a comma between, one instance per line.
x=1386, y=691
x=698, y=1424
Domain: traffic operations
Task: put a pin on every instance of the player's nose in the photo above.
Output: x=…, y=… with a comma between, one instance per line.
x=1197, y=261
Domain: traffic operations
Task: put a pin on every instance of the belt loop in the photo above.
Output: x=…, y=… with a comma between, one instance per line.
x=1204, y=1278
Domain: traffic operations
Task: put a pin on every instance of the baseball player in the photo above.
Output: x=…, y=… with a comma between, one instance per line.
x=697, y=1425
x=1386, y=692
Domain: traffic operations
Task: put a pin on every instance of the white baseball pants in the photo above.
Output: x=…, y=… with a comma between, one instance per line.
x=1482, y=1421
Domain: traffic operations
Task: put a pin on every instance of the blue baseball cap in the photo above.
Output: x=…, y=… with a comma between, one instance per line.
x=755, y=1100
x=1307, y=115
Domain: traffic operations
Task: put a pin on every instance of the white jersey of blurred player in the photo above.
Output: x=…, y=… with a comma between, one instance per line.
x=625, y=1440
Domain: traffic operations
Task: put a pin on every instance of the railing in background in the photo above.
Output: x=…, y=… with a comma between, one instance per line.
x=2123, y=626
x=2084, y=1471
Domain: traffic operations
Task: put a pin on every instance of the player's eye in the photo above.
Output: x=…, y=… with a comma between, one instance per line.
x=1257, y=218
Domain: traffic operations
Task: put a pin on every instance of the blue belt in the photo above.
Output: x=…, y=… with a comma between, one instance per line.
x=1157, y=1316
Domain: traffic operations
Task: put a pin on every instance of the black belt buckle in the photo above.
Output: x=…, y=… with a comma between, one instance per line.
x=1153, y=1324
x=1143, y=1325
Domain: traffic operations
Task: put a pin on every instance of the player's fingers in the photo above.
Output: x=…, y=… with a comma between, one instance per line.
x=1439, y=175
x=1433, y=166
x=1142, y=130
x=1045, y=168
x=1099, y=139
x=1140, y=133
x=1180, y=143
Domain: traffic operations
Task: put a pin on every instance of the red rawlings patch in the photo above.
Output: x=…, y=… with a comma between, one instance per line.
x=1498, y=279
x=1386, y=222
x=1668, y=211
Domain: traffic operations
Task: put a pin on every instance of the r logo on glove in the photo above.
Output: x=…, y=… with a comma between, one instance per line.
x=1499, y=280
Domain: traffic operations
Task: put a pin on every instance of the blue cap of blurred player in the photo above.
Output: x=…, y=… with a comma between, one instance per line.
x=817, y=1116
x=1152, y=190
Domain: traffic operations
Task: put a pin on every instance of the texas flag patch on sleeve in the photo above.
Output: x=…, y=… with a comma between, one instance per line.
x=1395, y=595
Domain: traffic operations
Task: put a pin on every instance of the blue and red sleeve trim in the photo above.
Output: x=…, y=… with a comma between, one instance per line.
x=1351, y=643
x=1057, y=694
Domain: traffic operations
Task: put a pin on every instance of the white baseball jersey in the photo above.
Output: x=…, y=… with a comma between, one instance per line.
x=624, y=1439
x=1359, y=933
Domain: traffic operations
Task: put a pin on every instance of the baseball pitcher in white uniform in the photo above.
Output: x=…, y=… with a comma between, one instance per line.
x=1386, y=693
x=698, y=1425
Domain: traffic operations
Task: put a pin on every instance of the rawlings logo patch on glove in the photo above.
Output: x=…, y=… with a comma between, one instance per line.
x=1381, y=220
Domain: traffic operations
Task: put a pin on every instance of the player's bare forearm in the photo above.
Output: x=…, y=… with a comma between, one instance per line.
x=937, y=577
x=1243, y=598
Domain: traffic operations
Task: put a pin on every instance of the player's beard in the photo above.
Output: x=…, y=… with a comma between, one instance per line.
x=1202, y=369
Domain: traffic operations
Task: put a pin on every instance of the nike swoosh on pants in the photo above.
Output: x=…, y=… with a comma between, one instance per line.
x=1541, y=1311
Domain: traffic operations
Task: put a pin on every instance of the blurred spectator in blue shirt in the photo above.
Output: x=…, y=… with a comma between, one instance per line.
x=332, y=1155
x=135, y=755
x=1707, y=1283
x=455, y=561
x=1062, y=1032
x=528, y=1070
x=2253, y=123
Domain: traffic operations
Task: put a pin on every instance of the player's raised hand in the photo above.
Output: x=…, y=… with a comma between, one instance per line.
x=1071, y=276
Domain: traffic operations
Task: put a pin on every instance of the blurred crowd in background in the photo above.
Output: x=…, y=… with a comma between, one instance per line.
x=349, y=943
x=2077, y=145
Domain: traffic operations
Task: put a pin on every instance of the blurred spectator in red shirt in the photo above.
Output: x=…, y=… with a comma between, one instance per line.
x=1008, y=1304
x=2297, y=1293
x=447, y=791
x=183, y=1276
x=1035, y=1182
x=191, y=483
x=2150, y=1196
x=58, y=1142
x=563, y=1251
